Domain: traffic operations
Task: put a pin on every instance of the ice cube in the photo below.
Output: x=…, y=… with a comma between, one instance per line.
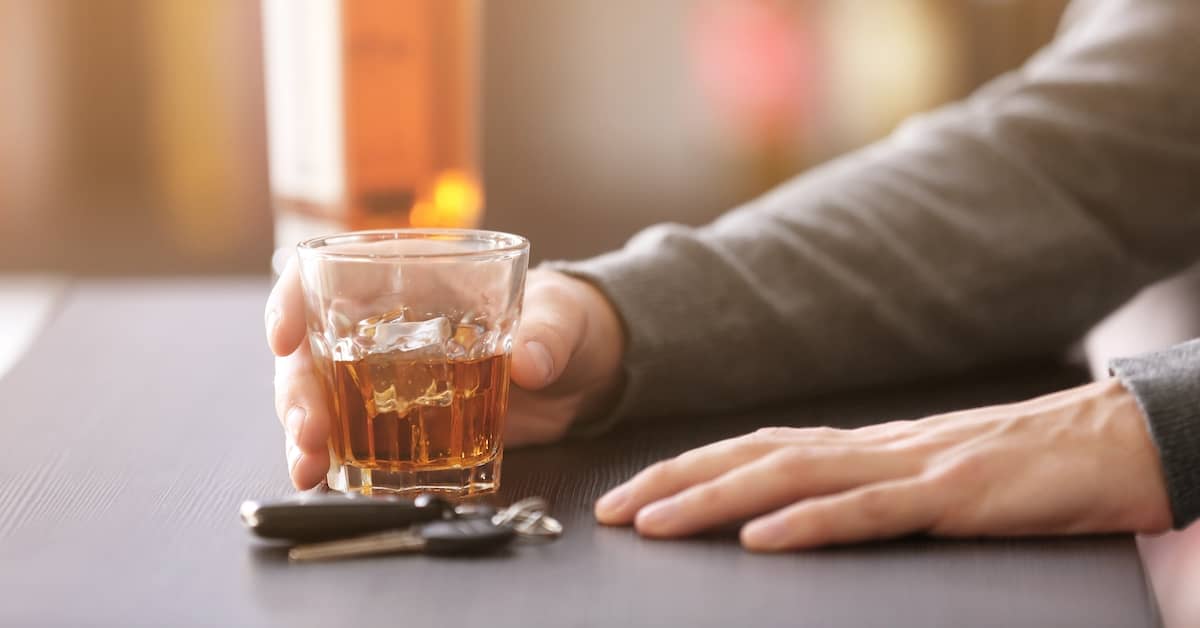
x=347, y=350
x=367, y=326
x=388, y=333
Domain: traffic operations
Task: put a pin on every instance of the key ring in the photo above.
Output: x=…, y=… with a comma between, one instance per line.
x=528, y=517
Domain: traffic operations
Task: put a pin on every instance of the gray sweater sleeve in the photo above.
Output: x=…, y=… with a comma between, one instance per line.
x=1167, y=387
x=999, y=227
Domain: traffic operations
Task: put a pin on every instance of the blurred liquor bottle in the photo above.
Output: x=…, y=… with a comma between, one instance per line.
x=372, y=114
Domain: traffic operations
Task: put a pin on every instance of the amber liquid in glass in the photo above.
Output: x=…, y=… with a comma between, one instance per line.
x=398, y=415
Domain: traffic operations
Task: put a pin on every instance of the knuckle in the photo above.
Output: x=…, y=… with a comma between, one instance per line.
x=549, y=290
x=790, y=457
x=290, y=383
x=897, y=430
x=915, y=448
x=824, y=432
x=899, y=425
x=709, y=493
x=660, y=471
x=875, y=504
x=720, y=449
x=772, y=433
x=697, y=456
x=283, y=398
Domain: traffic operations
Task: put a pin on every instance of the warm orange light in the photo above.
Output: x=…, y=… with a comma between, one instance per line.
x=423, y=214
x=456, y=202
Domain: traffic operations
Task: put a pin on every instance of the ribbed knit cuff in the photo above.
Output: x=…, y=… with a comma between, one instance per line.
x=1167, y=387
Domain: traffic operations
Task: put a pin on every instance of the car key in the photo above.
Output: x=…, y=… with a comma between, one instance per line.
x=451, y=537
x=318, y=517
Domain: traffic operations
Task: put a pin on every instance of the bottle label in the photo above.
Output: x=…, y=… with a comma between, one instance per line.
x=390, y=92
x=303, y=57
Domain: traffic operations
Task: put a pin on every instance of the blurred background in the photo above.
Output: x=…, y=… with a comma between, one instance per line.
x=133, y=132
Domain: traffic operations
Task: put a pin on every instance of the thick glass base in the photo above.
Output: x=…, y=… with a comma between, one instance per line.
x=452, y=482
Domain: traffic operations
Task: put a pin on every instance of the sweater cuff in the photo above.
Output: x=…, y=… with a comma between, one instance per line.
x=1166, y=385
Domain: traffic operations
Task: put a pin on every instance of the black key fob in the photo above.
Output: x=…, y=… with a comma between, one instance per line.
x=315, y=517
x=457, y=537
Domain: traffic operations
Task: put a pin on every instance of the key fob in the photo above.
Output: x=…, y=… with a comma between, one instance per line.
x=460, y=537
x=315, y=517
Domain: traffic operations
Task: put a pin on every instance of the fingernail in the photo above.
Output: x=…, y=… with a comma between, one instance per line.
x=613, y=500
x=541, y=358
x=295, y=422
x=765, y=533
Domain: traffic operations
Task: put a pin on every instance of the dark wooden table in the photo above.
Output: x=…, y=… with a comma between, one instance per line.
x=143, y=417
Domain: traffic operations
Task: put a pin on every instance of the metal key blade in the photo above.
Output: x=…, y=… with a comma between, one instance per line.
x=388, y=542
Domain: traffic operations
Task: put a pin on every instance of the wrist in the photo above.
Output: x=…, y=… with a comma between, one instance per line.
x=603, y=348
x=1147, y=510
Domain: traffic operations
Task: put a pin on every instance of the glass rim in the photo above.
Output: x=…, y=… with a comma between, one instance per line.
x=508, y=243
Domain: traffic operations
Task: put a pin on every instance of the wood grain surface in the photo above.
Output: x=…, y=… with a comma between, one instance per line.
x=143, y=417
